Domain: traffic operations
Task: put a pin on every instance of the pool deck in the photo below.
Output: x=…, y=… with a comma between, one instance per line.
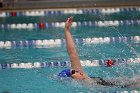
x=63, y=4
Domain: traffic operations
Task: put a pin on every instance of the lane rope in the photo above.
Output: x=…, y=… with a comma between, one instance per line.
x=132, y=91
x=74, y=24
x=89, y=63
x=46, y=12
x=61, y=42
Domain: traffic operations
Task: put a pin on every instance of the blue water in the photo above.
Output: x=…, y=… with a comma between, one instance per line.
x=44, y=80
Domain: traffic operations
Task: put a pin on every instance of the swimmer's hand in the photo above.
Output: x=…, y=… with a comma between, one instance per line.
x=68, y=23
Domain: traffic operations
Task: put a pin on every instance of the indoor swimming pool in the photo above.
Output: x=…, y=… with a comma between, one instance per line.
x=33, y=49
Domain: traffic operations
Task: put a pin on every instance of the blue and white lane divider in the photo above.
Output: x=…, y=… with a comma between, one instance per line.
x=74, y=24
x=60, y=42
x=69, y=11
x=89, y=63
x=132, y=91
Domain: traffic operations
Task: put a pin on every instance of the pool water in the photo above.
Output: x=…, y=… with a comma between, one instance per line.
x=44, y=80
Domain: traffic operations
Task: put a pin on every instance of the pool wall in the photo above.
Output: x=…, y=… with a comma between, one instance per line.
x=43, y=4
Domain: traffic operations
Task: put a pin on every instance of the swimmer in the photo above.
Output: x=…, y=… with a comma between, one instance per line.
x=76, y=71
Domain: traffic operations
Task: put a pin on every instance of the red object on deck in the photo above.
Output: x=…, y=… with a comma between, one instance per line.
x=41, y=25
x=13, y=13
x=110, y=63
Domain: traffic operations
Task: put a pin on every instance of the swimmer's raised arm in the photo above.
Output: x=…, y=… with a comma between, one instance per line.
x=71, y=48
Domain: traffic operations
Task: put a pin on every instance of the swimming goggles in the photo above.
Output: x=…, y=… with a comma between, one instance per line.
x=74, y=71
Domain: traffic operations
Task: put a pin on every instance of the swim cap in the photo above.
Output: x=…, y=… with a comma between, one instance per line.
x=64, y=73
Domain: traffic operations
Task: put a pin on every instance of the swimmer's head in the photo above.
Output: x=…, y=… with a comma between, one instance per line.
x=71, y=73
x=65, y=73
